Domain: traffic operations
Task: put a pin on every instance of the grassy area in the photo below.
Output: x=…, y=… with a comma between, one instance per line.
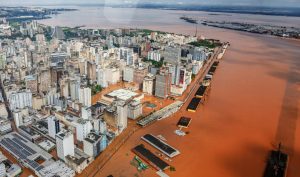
x=148, y=32
x=15, y=24
x=69, y=33
x=205, y=43
x=96, y=89
x=156, y=64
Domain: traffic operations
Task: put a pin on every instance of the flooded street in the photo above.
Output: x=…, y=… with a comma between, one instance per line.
x=253, y=105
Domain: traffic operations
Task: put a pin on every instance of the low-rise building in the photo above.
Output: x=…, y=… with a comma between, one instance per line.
x=5, y=126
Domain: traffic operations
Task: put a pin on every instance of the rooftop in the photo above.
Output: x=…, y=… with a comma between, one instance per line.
x=122, y=94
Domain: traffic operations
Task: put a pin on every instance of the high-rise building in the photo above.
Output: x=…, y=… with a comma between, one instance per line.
x=101, y=77
x=53, y=126
x=102, y=127
x=139, y=75
x=58, y=33
x=108, y=76
x=172, y=55
x=83, y=128
x=154, y=55
x=199, y=54
x=64, y=87
x=18, y=118
x=20, y=99
x=65, y=144
x=86, y=112
x=115, y=115
x=128, y=74
x=92, y=144
x=135, y=109
x=91, y=71
x=85, y=96
x=44, y=79
x=31, y=83
x=163, y=84
x=122, y=109
x=148, y=84
x=2, y=60
x=74, y=89
x=127, y=55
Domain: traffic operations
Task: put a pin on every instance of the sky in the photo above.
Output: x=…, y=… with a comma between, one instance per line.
x=280, y=3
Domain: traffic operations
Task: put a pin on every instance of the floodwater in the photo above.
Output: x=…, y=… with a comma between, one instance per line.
x=253, y=105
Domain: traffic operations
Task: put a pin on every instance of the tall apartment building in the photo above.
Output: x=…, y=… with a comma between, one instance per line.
x=65, y=144
x=148, y=84
x=154, y=55
x=115, y=115
x=107, y=76
x=31, y=83
x=44, y=79
x=128, y=73
x=163, y=84
x=199, y=54
x=85, y=96
x=172, y=55
x=92, y=144
x=126, y=54
x=91, y=70
x=139, y=75
x=74, y=89
x=2, y=60
x=135, y=109
x=53, y=126
x=83, y=128
x=20, y=99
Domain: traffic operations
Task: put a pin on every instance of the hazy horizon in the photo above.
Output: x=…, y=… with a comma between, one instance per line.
x=257, y=3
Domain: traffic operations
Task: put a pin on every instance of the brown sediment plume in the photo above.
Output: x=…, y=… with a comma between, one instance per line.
x=253, y=104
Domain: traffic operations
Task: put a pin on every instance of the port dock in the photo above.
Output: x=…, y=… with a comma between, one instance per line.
x=160, y=145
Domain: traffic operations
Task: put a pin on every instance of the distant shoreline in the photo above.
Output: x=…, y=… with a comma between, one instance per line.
x=270, y=11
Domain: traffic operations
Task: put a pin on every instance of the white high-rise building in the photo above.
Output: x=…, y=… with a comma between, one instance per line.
x=86, y=113
x=20, y=100
x=91, y=144
x=106, y=76
x=18, y=119
x=128, y=74
x=74, y=89
x=148, y=84
x=2, y=60
x=65, y=144
x=83, y=128
x=126, y=54
x=122, y=109
x=101, y=77
x=85, y=96
x=53, y=126
x=154, y=55
x=135, y=109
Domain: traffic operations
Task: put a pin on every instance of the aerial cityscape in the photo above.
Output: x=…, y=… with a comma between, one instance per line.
x=141, y=89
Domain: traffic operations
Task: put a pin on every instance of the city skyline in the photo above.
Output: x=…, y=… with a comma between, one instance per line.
x=142, y=89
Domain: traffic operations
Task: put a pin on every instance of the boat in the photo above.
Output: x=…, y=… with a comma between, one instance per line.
x=277, y=163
